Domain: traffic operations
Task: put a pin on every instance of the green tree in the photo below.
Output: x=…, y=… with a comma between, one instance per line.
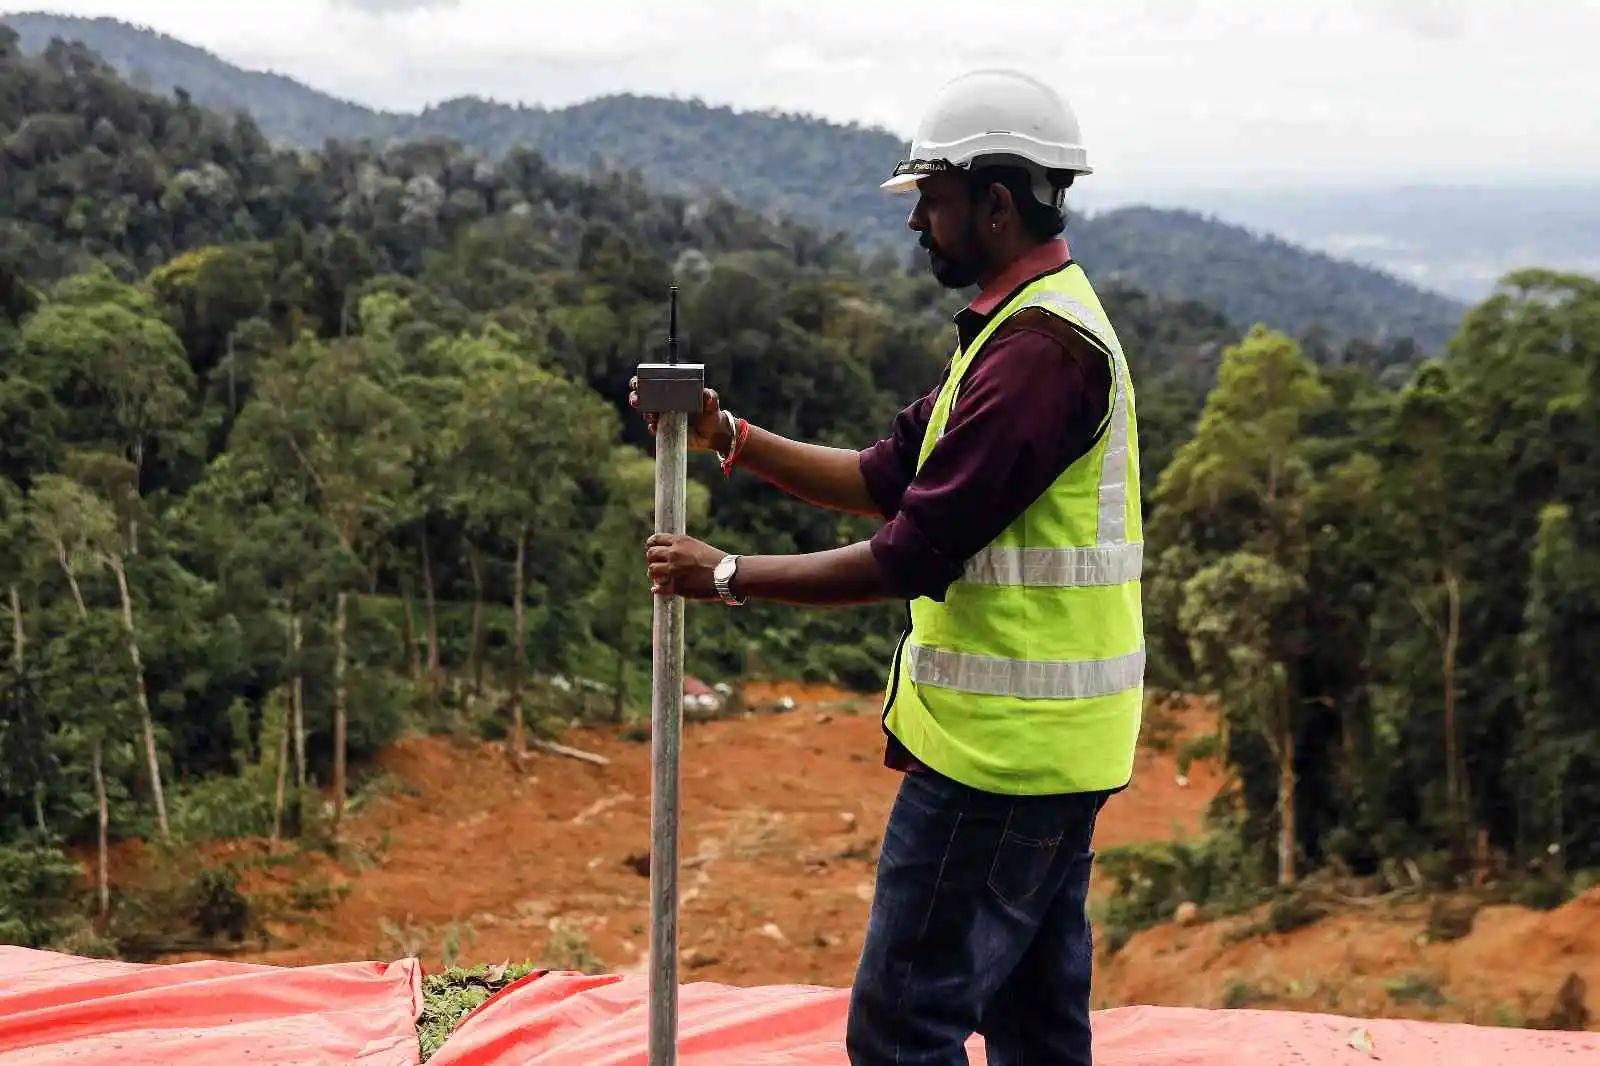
x=104, y=340
x=327, y=412
x=1427, y=459
x=1232, y=508
x=621, y=604
x=523, y=437
x=1244, y=615
x=74, y=524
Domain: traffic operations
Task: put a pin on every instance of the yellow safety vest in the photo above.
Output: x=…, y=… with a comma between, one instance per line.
x=1029, y=678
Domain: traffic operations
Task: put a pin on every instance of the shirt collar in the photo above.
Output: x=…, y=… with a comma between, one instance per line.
x=1051, y=255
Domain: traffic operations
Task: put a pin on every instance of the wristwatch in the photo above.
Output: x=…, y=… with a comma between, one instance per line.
x=722, y=580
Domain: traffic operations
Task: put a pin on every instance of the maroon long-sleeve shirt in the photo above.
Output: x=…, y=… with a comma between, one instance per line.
x=1029, y=406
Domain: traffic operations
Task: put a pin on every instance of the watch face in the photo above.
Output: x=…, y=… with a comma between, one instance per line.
x=724, y=568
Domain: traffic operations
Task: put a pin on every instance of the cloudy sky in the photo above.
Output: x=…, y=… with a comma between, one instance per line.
x=1169, y=92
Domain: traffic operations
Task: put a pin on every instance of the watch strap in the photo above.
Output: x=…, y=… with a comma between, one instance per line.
x=722, y=580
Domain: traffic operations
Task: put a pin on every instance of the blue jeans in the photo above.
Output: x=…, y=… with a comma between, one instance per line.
x=978, y=924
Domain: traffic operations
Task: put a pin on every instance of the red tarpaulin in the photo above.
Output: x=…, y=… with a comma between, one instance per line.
x=57, y=1009
x=570, y=1020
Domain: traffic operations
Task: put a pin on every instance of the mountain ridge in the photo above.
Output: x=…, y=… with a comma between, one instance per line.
x=786, y=163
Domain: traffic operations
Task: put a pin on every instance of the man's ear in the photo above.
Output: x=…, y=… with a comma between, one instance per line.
x=998, y=202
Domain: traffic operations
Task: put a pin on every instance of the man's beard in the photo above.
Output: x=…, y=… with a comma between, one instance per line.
x=955, y=272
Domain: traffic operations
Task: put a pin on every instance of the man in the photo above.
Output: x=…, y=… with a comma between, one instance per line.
x=1011, y=494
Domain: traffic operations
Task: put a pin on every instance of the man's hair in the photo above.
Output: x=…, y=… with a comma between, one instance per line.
x=1042, y=221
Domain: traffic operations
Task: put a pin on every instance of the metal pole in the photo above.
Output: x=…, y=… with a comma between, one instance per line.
x=673, y=391
x=666, y=734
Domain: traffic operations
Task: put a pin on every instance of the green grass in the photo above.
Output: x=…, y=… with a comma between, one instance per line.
x=448, y=997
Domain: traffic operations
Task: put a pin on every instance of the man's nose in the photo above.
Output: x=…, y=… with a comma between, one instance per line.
x=918, y=218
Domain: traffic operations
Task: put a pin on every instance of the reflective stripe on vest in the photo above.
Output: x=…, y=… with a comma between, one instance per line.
x=1025, y=679
x=1112, y=564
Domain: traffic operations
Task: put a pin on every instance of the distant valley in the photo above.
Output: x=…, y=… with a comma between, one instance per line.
x=1381, y=263
x=1458, y=240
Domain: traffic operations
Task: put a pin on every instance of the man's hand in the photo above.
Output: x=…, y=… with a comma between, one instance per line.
x=827, y=477
x=681, y=566
x=708, y=430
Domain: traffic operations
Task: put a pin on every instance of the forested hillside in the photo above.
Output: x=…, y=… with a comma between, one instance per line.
x=306, y=449
x=818, y=172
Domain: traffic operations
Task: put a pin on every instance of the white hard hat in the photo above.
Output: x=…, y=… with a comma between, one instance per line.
x=995, y=116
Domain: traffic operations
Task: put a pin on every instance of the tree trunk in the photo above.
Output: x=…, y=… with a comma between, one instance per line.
x=72, y=579
x=19, y=644
x=284, y=728
x=100, y=780
x=1286, y=821
x=103, y=849
x=475, y=654
x=518, y=746
x=96, y=764
x=297, y=693
x=146, y=721
x=233, y=380
x=1454, y=778
x=1347, y=743
x=138, y=479
x=433, y=616
x=413, y=656
x=283, y=772
x=340, y=725
x=618, y=704
x=19, y=636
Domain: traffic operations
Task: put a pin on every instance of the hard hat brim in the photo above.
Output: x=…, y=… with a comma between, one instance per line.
x=908, y=172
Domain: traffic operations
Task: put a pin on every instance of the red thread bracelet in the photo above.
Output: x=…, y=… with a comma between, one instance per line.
x=741, y=433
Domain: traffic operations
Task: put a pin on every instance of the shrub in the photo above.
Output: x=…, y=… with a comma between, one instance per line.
x=1451, y=919
x=227, y=806
x=182, y=904
x=1150, y=880
x=447, y=999
x=1540, y=893
x=38, y=895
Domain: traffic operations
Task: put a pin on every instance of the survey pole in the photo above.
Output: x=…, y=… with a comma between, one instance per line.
x=672, y=391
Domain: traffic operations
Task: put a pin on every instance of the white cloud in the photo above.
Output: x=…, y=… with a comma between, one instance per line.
x=1437, y=20
x=385, y=7
x=1168, y=91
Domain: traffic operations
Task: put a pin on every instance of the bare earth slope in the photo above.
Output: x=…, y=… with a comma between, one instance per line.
x=782, y=818
x=1516, y=967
